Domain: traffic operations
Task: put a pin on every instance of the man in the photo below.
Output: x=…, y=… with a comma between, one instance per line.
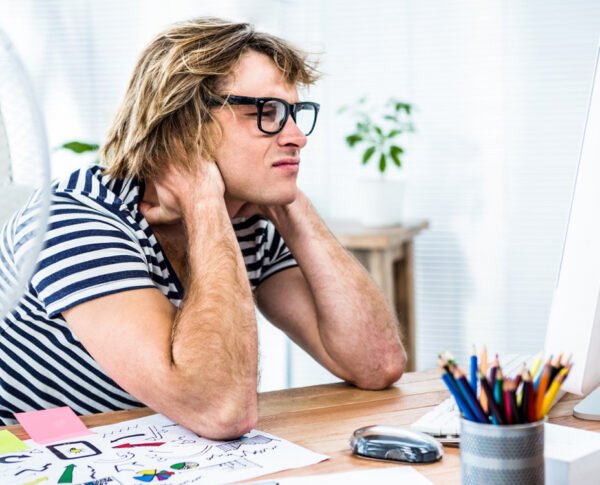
x=145, y=290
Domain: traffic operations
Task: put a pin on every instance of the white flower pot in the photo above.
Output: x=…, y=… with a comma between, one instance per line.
x=380, y=202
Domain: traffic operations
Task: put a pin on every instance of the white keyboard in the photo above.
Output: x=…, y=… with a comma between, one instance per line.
x=443, y=421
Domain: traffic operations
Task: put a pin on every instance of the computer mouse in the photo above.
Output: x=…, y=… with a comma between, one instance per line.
x=395, y=443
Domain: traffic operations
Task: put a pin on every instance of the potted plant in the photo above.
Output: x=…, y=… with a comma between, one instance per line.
x=378, y=134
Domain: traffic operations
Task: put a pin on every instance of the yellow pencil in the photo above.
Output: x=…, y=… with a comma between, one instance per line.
x=553, y=391
x=536, y=365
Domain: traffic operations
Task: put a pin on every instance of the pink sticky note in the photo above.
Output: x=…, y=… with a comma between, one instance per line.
x=52, y=425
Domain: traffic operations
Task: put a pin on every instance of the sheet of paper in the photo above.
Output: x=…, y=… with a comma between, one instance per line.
x=397, y=474
x=9, y=443
x=52, y=424
x=151, y=450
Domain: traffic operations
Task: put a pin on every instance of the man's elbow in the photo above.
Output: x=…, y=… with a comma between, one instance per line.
x=391, y=367
x=226, y=421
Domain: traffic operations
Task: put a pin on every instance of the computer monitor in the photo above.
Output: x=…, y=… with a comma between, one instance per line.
x=574, y=324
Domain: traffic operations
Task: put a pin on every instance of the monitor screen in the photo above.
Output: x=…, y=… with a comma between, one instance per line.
x=574, y=325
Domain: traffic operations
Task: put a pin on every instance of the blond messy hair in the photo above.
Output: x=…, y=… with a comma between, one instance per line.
x=168, y=101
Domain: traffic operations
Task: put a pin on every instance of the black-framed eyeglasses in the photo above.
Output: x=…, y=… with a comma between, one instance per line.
x=272, y=113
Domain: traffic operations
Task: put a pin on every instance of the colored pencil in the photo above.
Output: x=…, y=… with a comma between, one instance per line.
x=498, y=392
x=541, y=371
x=470, y=396
x=473, y=359
x=457, y=395
x=508, y=409
x=483, y=364
x=541, y=390
x=494, y=411
x=536, y=364
x=553, y=390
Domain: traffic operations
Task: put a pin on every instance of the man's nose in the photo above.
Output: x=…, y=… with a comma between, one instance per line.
x=291, y=134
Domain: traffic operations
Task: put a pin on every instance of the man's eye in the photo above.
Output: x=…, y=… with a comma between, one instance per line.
x=270, y=114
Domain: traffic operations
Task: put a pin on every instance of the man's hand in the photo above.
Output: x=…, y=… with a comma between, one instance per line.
x=173, y=195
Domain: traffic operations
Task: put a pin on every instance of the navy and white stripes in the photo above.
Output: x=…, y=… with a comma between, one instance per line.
x=97, y=243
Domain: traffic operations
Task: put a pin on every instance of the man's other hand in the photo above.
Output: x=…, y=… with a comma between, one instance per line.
x=176, y=192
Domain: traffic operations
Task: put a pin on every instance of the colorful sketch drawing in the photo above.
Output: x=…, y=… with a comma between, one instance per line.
x=236, y=444
x=74, y=450
x=186, y=465
x=149, y=475
x=67, y=475
x=104, y=481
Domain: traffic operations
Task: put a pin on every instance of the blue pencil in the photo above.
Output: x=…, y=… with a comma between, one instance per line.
x=474, y=370
x=458, y=397
x=470, y=396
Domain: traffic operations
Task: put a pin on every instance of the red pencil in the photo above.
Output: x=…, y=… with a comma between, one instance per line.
x=508, y=410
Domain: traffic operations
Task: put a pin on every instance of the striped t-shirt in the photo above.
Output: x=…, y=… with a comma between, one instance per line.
x=96, y=243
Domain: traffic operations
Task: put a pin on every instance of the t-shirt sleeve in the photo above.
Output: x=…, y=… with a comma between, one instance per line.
x=277, y=255
x=87, y=255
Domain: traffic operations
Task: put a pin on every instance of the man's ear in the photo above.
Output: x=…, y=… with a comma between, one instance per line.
x=149, y=203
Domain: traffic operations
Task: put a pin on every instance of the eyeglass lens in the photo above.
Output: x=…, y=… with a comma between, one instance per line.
x=274, y=116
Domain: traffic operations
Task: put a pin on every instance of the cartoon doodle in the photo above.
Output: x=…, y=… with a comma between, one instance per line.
x=74, y=450
x=92, y=471
x=10, y=459
x=127, y=436
x=157, y=435
x=135, y=427
x=183, y=440
x=33, y=470
x=186, y=465
x=149, y=475
x=67, y=475
x=121, y=468
x=123, y=456
x=161, y=456
x=135, y=445
x=242, y=453
x=104, y=481
x=35, y=482
x=233, y=465
x=236, y=444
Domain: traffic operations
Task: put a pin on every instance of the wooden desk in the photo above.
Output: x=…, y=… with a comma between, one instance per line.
x=322, y=418
x=388, y=255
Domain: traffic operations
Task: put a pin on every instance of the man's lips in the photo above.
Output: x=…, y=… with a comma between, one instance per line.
x=286, y=162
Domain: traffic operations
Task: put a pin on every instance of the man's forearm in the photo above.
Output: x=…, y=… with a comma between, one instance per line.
x=214, y=339
x=357, y=327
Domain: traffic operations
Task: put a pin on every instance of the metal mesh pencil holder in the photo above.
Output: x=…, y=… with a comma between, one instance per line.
x=506, y=454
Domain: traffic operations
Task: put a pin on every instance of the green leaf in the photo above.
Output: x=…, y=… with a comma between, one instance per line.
x=368, y=154
x=382, y=163
x=80, y=147
x=378, y=130
x=393, y=133
x=395, y=152
x=403, y=106
x=353, y=139
x=391, y=118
